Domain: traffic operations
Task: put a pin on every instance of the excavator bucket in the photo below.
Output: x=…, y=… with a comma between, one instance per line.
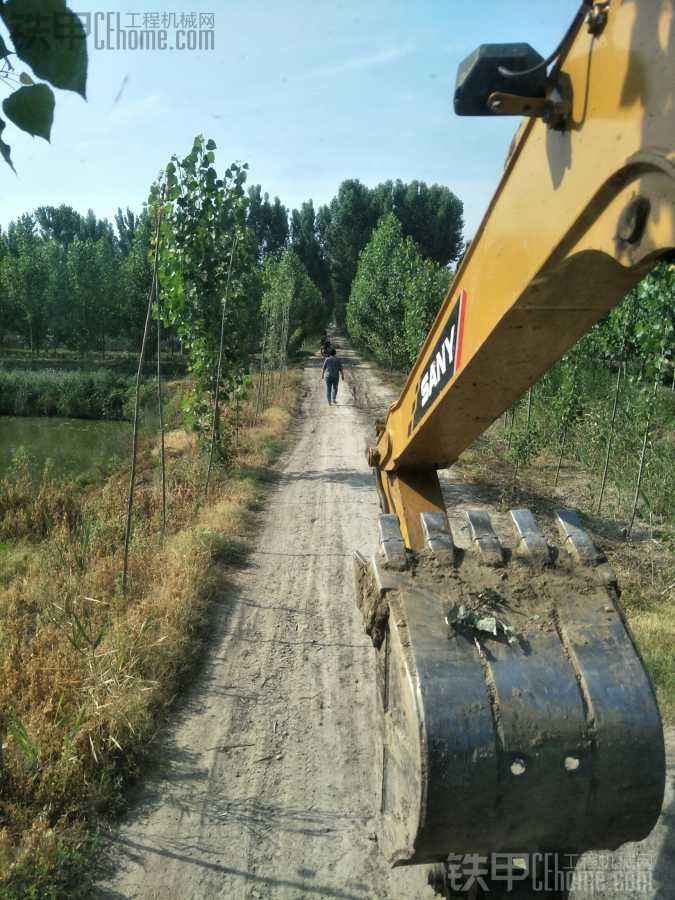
x=514, y=710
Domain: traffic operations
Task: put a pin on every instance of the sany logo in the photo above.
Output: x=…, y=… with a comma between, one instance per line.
x=445, y=359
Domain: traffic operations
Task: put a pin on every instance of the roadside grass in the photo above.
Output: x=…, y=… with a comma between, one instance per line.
x=88, y=673
x=647, y=578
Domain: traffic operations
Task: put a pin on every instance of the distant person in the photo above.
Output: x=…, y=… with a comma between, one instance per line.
x=332, y=369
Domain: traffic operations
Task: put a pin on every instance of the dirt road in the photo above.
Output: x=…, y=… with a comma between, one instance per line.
x=265, y=787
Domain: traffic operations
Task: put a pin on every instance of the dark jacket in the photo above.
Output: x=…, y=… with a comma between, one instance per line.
x=332, y=368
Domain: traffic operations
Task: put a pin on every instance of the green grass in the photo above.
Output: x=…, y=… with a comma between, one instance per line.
x=273, y=448
x=99, y=394
x=56, y=869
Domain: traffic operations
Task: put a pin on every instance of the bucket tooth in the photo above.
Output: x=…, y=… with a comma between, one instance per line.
x=385, y=579
x=579, y=544
x=484, y=538
x=575, y=539
x=437, y=536
x=392, y=545
x=372, y=582
x=531, y=543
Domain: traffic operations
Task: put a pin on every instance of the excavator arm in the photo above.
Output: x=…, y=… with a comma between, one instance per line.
x=584, y=209
x=543, y=734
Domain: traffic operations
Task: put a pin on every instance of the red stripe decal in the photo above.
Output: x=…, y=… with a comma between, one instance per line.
x=460, y=332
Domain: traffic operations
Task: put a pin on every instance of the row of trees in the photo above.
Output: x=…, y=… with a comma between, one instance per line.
x=78, y=282
x=330, y=240
x=74, y=281
x=609, y=405
x=68, y=280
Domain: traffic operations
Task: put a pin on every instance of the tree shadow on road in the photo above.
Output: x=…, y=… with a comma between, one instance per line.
x=136, y=850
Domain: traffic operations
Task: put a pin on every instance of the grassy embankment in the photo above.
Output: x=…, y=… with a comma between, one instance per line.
x=88, y=673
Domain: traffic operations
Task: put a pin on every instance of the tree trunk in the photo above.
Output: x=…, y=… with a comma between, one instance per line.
x=261, y=376
x=215, y=433
x=563, y=439
x=610, y=438
x=139, y=373
x=236, y=418
x=643, y=453
x=159, y=407
x=513, y=421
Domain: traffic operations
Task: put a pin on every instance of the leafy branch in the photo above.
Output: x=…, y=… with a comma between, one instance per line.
x=51, y=40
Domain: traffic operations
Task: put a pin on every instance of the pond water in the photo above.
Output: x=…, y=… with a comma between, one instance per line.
x=74, y=447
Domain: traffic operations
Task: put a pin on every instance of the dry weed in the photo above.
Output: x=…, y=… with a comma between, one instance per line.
x=86, y=671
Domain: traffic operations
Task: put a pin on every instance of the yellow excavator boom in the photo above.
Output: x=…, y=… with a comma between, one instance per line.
x=584, y=209
x=515, y=714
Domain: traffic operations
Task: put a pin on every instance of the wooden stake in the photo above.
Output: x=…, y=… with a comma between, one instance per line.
x=215, y=426
x=134, y=445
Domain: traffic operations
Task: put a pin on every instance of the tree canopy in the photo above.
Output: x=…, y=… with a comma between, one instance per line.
x=268, y=221
x=395, y=295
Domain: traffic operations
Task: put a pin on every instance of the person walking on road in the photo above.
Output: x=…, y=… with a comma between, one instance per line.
x=332, y=369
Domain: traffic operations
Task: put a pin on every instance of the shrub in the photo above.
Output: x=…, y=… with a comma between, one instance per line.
x=99, y=394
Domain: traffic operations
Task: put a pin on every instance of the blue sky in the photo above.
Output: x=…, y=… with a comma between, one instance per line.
x=308, y=93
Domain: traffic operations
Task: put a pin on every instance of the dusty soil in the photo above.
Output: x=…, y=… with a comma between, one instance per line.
x=263, y=786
